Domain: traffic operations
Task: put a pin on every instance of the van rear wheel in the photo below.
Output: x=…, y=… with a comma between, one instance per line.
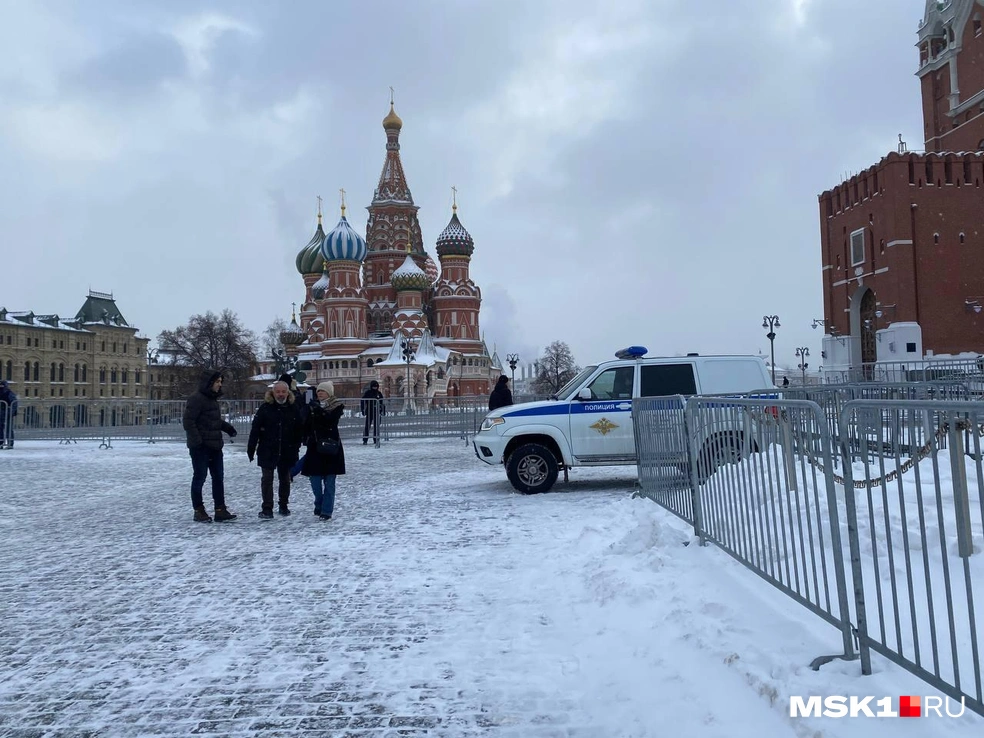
x=532, y=468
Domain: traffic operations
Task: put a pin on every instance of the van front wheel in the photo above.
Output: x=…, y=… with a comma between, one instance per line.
x=532, y=468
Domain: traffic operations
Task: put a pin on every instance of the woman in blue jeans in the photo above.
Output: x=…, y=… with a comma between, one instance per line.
x=320, y=425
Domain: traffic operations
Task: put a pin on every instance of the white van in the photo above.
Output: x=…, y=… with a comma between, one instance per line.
x=589, y=421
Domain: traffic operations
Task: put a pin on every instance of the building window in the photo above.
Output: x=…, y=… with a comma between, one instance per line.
x=85, y=375
x=9, y=374
x=104, y=347
x=124, y=348
x=961, y=238
x=52, y=372
x=102, y=375
x=37, y=371
x=936, y=238
x=136, y=377
x=125, y=374
x=857, y=247
x=77, y=373
x=114, y=347
x=112, y=376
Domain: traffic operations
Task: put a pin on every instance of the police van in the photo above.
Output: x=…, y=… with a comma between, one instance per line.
x=589, y=421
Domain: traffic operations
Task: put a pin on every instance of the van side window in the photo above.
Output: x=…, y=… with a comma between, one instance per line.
x=659, y=380
x=613, y=384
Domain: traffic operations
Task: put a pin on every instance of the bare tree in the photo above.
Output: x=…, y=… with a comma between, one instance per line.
x=210, y=341
x=554, y=369
x=270, y=340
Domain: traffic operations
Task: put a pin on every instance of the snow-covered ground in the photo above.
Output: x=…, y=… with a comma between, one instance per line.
x=437, y=603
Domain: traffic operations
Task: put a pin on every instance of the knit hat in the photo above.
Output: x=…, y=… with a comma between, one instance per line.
x=374, y=384
x=327, y=387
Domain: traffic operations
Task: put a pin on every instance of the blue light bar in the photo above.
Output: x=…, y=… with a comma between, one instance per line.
x=632, y=352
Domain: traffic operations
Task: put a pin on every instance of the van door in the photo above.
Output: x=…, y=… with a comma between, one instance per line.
x=669, y=381
x=601, y=428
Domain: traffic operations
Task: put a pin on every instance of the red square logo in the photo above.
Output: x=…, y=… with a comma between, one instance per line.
x=908, y=706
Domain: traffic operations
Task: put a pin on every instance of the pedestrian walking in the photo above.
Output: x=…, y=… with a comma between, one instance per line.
x=325, y=457
x=501, y=396
x=8, y=411
x=204, y=426
x=274, y=439
x=373, y=408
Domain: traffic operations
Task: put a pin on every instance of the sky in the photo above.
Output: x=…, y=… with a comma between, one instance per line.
x=641, y=172
x=436, y=598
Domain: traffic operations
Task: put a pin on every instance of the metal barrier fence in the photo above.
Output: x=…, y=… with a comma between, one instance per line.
x=832, y=398
x=928, y=370
x=161, y=420
x=883, y=551
x=913, y=551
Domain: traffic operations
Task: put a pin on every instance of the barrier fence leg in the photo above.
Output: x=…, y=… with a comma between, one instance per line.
x=961, y=497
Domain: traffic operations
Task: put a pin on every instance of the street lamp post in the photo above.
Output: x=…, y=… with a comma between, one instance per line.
x=771, y=322
x=406, y=346
x=802, y=352
x=512, y=360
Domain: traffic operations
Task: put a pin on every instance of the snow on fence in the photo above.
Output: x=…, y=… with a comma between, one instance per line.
x=887, y=548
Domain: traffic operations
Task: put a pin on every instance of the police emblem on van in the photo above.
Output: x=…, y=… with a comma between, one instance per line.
x=604, y=426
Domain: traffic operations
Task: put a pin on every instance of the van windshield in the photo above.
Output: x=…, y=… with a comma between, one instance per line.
x=568, y=389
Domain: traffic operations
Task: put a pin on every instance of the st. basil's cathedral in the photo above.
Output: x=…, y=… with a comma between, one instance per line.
x=367, y=299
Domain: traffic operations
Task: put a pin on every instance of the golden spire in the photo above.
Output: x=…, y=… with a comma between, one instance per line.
x=392, y=120
x=454, y=199
x=342, y=193
x=319, y=209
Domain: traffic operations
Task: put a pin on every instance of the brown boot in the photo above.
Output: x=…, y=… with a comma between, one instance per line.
x=222, y=514
x=201, y=515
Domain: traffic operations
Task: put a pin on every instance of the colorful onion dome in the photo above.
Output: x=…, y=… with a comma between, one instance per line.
x=319, y=288
x=344, y=243
x=309, y=258
x=392, y=121
x=454, y=239
x=293, y=335
x=409, y=276
x=431, y=269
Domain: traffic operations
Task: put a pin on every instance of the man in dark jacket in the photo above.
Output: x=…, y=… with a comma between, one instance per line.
x=8, y=411
x=373, y=408
x=204, y=427
x=275, y=438
x=501, y=396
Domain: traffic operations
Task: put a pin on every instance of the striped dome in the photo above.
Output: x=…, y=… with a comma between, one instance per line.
x=309, y=259
x=319, y=288
x=409, y=276
x=455, y=240
x=343, y=243
x=430, y=268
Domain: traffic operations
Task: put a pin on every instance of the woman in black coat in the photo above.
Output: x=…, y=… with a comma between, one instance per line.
x=321, y=424
x=501, y=396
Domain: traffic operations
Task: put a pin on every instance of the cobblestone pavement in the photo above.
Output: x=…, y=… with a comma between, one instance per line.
x=124, y=618
x=438, y=603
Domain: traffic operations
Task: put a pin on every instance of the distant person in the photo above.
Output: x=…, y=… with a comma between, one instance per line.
x=204, y=427
x=322, y=465
x=8, y=411
x=501, y=395
x=785, y=381
x=373, y=408
x=275, y=437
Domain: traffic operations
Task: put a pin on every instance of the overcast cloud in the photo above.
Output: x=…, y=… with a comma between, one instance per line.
x=632, y=171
